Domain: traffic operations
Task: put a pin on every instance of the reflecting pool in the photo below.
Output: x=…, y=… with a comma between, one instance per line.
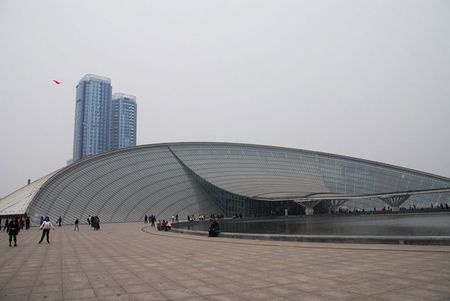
x=429, y=224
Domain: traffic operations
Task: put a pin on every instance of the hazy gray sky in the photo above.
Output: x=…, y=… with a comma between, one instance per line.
x=369, y=79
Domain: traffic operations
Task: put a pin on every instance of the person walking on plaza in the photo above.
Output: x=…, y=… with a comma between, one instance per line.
x=153, y=220
x=76, y=225
x=46, y=226
x=59, y=221
x=27, y=223
x=95, y=223
x=13, y=230
x=6, y=224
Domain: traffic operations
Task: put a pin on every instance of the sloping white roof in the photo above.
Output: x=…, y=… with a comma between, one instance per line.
x=208, y=178
x=17, y=202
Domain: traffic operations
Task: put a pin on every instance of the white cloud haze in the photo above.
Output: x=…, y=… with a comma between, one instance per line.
x=369, y=79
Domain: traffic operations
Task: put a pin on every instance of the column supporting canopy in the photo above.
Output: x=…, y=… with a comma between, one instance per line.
x=335, y=204
x=308, y=205
x=395, y=201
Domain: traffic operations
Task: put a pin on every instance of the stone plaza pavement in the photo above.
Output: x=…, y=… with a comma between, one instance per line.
x=135, y=262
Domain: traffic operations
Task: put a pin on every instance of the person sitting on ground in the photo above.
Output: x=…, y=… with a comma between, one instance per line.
x=214, y=228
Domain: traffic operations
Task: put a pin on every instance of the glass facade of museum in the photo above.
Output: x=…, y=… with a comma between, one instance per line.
x=269, y=173
x=214, y=178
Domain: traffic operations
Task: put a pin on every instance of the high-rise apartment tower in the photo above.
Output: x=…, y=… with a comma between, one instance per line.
x=123, y=120
x=92, y=116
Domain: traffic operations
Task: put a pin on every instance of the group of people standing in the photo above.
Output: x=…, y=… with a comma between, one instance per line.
x=14, y=226
x=23, y=221
x=94, y=222
x=150, y=219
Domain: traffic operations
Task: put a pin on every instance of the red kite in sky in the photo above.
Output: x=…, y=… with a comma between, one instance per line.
x=57, y=82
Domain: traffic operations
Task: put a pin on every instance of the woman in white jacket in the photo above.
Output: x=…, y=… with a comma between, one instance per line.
x=46, y=226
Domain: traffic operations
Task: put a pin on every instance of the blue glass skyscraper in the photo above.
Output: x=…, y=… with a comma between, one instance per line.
x=123, y=120
x=92, y=116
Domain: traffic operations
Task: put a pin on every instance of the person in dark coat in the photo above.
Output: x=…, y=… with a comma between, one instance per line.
x=13, y=230
x=153, y=219
x=95, y=222
x=214, y=228
x=27, y=223
x=6, y=224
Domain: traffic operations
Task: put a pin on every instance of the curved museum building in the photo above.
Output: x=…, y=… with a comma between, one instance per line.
x=217, y=178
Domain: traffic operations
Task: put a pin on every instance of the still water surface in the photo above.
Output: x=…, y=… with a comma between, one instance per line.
x=430, y=224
